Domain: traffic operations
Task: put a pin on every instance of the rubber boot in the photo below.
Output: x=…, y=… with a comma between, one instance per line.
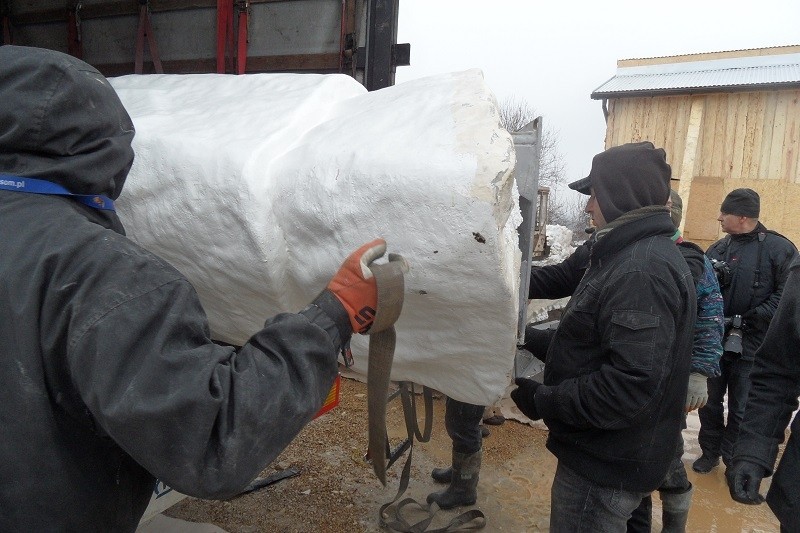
x=675, y=510
x=442, y=475
x=705, y=463
x=463, y=488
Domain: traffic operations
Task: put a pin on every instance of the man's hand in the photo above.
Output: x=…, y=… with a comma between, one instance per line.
x=355, y=287
x=750, y=317
x=524, y=397
x=537, y=341
x=744, y=479
x=697, y=394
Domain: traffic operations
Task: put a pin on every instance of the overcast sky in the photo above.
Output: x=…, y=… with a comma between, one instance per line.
x=554, y=54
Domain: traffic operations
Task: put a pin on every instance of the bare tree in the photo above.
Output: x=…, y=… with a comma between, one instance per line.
x=514, y=114
x=562, y=210
x=569, y=212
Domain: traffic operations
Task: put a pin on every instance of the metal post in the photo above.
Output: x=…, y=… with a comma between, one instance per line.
x=381, y=36
x=528, y=147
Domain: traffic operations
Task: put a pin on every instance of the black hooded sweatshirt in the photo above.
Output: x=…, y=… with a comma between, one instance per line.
x=108, y=376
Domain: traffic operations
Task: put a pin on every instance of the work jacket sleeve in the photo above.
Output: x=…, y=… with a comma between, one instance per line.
x=623, y=384
x=775, y=383
x=559, y=280
x=203, y=418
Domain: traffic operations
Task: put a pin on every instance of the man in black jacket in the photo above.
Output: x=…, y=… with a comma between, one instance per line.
x=618, y=365
x=753, y=264
x=108, y=376
x=775, y=385
x=560, y=280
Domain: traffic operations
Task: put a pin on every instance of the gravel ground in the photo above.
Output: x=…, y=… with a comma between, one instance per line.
x=336, y=489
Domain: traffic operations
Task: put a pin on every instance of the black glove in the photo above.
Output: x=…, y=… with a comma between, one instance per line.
x=523, y=396
x=750, y=318
x=744, y=479
x=537, y=341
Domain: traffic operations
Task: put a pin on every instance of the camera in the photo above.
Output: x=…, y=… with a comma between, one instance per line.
x=733, y=340
x=723, y=272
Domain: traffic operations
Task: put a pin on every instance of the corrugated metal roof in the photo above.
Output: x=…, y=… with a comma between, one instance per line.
x=728, y=74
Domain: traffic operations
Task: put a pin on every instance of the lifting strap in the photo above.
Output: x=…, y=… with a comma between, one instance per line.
x=224, y=36
x=74, y=40
x=145, y=30
x=241, y=49
x=395, y=521
x=390, y=283
x=382, y=337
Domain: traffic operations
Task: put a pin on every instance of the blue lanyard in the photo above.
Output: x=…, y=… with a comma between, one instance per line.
x=9, y=182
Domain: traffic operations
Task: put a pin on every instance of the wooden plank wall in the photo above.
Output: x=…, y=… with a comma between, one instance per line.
x=749, y=139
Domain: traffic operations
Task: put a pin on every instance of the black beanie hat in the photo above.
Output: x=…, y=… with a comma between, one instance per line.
x=742, y=202
x=627, y=177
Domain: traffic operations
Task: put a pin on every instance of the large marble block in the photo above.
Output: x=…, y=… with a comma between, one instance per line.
x=256, y=187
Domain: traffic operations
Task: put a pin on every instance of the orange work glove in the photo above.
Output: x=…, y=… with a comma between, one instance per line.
x=355, y=287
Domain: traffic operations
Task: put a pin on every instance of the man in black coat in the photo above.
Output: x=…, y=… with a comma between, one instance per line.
x=753, y=264
x=108, y=375
x=618, y=365
x=775, y=386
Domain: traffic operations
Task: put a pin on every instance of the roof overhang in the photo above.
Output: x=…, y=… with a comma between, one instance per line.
x=745, y=74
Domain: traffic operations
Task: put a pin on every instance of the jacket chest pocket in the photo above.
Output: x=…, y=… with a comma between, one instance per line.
x=633, y=336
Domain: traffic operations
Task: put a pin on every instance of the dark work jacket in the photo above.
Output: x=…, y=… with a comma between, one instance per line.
x=617, y=368
x=108, y=376
x=560, y=280
x=775, y=386
x=756, y=286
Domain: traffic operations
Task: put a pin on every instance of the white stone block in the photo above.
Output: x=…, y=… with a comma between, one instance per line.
x=257, y=187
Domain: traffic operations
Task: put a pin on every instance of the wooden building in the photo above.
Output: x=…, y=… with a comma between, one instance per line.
x=726, y=120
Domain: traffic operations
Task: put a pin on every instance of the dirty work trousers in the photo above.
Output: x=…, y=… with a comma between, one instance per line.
x=463, y=423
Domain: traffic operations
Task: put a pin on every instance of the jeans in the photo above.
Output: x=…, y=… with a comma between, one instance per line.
x=579, y=505
x=463, y=424
x=716, y=437
x=676, y=481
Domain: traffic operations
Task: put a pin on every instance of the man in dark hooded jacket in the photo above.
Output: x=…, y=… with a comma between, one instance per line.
x=618, y=365
x=108, y=376
x=559, y=280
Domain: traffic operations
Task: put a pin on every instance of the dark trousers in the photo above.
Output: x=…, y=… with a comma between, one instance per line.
x=718, y=436
x=783, y=496
x=463, y=423
x=676, y=481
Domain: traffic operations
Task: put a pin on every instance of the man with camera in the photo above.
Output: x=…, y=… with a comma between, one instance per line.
x=752, y=265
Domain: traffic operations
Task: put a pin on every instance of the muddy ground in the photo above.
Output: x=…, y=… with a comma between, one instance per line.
x=336, y=490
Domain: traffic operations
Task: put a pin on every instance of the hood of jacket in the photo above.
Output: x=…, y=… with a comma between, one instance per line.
x=61, y=121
